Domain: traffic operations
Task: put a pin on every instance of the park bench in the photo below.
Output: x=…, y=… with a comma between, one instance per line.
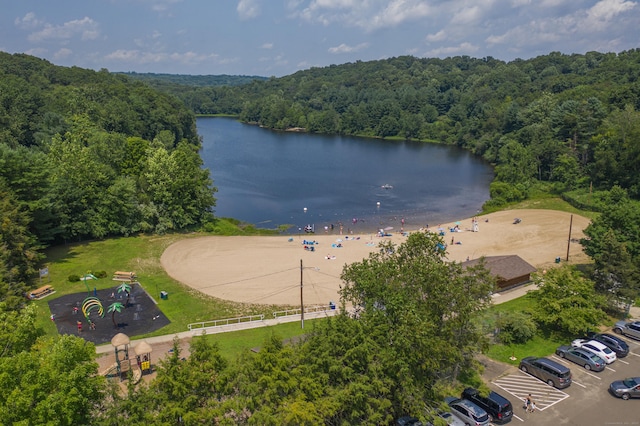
x=41, y=292
x=124, y=276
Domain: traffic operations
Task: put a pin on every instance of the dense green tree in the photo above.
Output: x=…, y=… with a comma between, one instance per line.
x=613, y=242
x=19, y=255
x=47, y=381
x=566, y=302
x=419, y=307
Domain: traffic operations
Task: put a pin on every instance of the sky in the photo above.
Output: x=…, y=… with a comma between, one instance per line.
x=279, y=37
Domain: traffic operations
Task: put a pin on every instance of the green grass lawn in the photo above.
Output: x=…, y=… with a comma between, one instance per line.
x=140, y=254
x=542, y=344
x=232, y=344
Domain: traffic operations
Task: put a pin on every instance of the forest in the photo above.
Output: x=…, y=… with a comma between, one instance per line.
x=91, y=154
x=86, y=154
x=571, y=121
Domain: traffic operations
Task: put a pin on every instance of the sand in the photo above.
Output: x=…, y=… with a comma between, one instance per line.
x=267, y=270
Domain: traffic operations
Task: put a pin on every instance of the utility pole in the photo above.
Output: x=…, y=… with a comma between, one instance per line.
x=569, y=241
x=301, y=300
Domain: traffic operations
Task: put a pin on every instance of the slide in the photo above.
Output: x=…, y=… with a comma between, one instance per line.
x=111, y=370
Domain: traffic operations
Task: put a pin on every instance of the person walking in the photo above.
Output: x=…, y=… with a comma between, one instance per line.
x=529, y=405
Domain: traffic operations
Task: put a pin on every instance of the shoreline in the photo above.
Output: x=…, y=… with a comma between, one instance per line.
x=266, y=269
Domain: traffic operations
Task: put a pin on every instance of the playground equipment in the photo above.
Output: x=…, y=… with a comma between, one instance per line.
x=124, y=364
x=91, y=302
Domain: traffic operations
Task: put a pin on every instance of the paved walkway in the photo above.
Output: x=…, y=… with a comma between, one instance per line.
x=168, y=338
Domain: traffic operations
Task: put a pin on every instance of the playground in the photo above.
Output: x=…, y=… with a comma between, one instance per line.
x=140, y=315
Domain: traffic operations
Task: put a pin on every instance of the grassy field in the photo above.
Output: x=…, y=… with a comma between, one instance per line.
x=141, y=254
x=231, y=345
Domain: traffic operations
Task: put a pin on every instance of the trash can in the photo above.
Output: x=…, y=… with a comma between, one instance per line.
x=558, y=259
x=164, y=295
x=332, y=306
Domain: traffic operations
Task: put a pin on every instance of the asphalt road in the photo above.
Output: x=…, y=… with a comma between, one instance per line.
x=586, y=402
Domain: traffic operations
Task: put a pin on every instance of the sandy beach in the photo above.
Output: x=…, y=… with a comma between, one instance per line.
x=267, y=269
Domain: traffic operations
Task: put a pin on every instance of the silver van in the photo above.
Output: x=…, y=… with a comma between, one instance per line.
x=556, y=375
x=468, y=412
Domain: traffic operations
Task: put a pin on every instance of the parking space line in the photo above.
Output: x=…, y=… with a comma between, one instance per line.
x=584, y=370
x=628, y=340
x=634, y=354
x=622, y=361
x=579, y=384
x=522, y=384
x=610, y=369
x=522, y=420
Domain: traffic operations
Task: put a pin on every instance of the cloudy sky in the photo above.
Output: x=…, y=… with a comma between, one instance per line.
x=279, y=37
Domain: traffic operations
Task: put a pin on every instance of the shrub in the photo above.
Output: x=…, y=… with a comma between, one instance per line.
x=517, y=327
x=73, y=278
x=100, y=274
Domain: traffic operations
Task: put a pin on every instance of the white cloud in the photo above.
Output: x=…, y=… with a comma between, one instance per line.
x=366, y=14
x=462, y=48
x=467, y=15
x=267, y=46
x=579, y=25
x=344, y=48
x=140, y=57
x=600, y=15
x=248, y=9
x=439, y=36
x=86, y=27
x=28, y=22
x=62, y=53
x=38, y=51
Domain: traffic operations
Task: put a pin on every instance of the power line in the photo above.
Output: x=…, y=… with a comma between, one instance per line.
x=247, y=279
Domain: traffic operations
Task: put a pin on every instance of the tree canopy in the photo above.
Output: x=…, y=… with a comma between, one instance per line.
x=565, y=119
x=86, y=154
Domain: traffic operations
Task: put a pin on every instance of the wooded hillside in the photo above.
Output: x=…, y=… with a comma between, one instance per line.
x=570, y=120
x=87, y=154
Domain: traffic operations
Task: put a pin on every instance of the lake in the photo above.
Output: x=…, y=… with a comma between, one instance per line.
x=271, y=178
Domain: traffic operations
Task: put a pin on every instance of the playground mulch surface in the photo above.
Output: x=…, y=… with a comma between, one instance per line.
x=141, y=316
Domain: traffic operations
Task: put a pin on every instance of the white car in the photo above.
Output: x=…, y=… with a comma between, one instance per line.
x=597, y=348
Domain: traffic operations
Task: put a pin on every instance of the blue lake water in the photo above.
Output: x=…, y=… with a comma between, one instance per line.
x=272, y=178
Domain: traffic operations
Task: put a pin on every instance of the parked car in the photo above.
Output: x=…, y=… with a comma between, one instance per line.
x=627, y=388
x=497, y=406
x=408, y=421
x=549, y=371
x=615, y=343
x=583, y=357
x=451, y=419
x=631, y=329
x=468, y=412
x=597, y=348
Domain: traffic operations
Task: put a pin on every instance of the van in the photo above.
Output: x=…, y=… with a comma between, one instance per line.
x=467, y=411
x=496, y=405
x=554, y=374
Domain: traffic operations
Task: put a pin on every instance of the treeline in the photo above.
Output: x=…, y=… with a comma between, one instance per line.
x=87, y=154
x=567, y=120
x=199, y=92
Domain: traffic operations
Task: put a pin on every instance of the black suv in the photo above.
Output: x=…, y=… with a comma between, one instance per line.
x=496, y=405
x=614, y=343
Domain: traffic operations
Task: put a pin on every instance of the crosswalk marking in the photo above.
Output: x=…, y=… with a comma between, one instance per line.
x=521, y=384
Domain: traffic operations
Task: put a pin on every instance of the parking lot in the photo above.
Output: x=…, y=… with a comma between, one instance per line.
x=586, y=402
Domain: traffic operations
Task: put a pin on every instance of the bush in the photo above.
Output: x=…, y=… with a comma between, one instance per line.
x=100, y=274
x=73, y=278
x=517, y=327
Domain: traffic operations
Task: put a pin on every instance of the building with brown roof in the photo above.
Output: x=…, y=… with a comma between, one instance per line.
x=510, y=271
